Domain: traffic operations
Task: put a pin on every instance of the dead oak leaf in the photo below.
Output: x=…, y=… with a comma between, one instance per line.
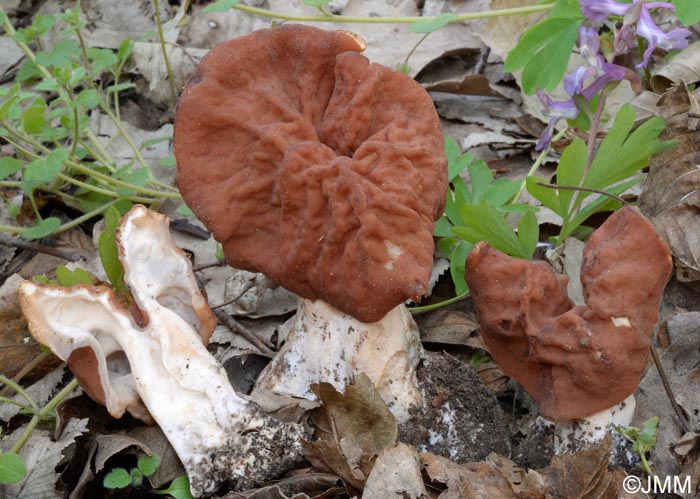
x=352, y=429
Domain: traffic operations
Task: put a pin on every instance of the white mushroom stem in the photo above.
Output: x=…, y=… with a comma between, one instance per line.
x=586, y=433
x=326, y=345
x=163, y=366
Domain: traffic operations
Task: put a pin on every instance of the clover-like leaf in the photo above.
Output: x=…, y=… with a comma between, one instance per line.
x=220, y=6
x=12, y=468
x=42, y=229
x=9, y=166
x=432, y=24
x=149, y=464
x=118, y=478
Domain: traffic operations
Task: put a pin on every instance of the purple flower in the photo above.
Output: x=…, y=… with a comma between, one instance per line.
x=599, y=10
x=556, y=110
x=656, y=37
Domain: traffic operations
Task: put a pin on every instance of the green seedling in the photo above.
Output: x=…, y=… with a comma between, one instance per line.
x=643, y=440
x=120, y=478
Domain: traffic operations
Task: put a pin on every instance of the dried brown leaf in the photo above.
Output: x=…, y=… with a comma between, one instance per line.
x=583, y=475
x=351, y=430
x=671, y=193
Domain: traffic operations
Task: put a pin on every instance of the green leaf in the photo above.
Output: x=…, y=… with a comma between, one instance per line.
x=89, y=98
x=647, y=437
x=43, y=23
x=570, y=171
x=443, y=227
x=480, y=178
x=185, y=211
x=3, y=17
x=61, y=55
x=7, y=107
x=43, y=279
x=688, y=11
x=109, y=252
x=546, y=196
x=137, y=178
x=452, y=150
x=12, y=468
x=157, y=140
x=179, y=488
x=502, y=191
x=168, y=161
x=221, y=6
x=118, y=478
x=118, y=88
x=431, y=24
x=458, y=261
x=487, y=221
x=126, y=47
x=34, y=117
x=622, y=154
x=136, y=477
x=46, y=169
x=9, y=166
x=42, y=229
x=570, y=9
x=529, y=233
x=543, y=53
x=68, y=278
x=149, y=464
x=317, y=3
x=101, y=59
x=220, y=255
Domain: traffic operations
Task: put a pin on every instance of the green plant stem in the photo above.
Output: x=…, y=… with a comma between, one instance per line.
x=104, y=192
x=17, y=388
x=434, y=306
x=332, y=18
x=14, y=402
x=42, y=414
x=83, y=48
x=76, y=132
x=577, y=188
x=137, y=153
x=171, y=81
x=104, y=157
x=538, y=162
x=405, y=61
x=27, y=369
x=84, y=218
x=11, y=229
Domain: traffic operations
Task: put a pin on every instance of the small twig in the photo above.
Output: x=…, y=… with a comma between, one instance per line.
x=204, y=266
x=685, y=425
x=231, y=323
x=71, y=256
x=585, y=189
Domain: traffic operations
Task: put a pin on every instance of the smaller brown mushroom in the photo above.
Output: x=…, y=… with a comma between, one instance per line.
x=575, y=361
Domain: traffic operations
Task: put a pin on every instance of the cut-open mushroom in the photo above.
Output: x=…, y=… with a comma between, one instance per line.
x=158, y=368
x=575, y=361
x=324, y=172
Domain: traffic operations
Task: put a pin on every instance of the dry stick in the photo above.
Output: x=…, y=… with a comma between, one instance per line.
x=585, y=189
x=204, y=266
x=71, y=256
x=233, y=325
x=685, y=425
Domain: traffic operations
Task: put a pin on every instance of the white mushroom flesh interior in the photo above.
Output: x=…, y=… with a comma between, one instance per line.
x=164, y=366
x=326, y=345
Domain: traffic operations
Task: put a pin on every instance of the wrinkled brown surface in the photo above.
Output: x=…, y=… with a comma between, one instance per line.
x=314, y=166
x=573, y=360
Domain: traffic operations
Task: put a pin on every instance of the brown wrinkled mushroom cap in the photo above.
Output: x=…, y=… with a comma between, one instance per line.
x=575, y=361
x=314, y=167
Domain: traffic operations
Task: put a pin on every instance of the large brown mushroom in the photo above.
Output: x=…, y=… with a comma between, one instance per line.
x=575, y=360
x=324, y=172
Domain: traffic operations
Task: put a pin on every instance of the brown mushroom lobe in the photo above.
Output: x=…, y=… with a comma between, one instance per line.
x=315, y=167
x=575, y=360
